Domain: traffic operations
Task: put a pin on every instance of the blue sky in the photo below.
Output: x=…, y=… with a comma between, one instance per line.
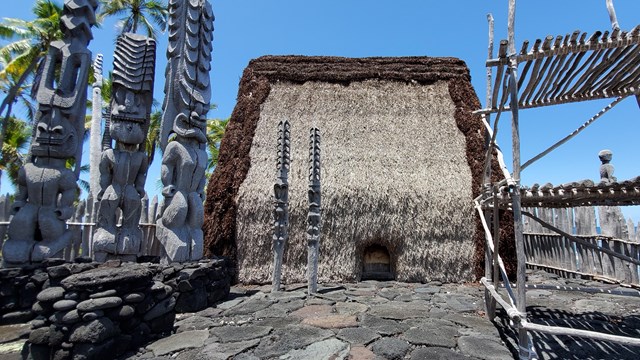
x=246, y=29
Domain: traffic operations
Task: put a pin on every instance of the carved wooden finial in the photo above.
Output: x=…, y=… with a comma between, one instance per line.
x=283, y=161
x=314, y=216
x=97, y=71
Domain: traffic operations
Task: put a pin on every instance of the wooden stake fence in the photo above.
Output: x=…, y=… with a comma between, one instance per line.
x=82, y=225
x=576, y=249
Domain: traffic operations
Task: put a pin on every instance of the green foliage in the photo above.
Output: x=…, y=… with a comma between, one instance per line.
x=10, y=80
x=137, y=14
x=29, y=40
x=216, y=129
x=14, y=148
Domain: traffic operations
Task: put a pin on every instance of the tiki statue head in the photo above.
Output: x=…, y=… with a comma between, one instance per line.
x=132, y=89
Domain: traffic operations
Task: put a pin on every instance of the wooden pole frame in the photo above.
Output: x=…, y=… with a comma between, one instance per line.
x=521, y=323
x=488, y=203
x=574, y=133
x=524, y=348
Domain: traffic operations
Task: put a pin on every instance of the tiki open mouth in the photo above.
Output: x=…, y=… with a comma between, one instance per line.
x=50, y=140
x=128, y=118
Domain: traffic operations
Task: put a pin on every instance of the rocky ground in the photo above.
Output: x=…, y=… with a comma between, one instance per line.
x=388, y=320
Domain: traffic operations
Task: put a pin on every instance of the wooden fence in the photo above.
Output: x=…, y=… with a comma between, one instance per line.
x=551, y=251
x=82, y=224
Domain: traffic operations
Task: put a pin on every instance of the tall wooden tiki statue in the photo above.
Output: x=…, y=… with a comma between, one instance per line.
x=183, y=130
x=46, y=187
x=123, y=165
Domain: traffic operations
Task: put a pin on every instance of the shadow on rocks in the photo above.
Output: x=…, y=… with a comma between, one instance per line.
x=572, y=347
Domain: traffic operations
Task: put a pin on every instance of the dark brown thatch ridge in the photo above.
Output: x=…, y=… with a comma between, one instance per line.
x=466, y=101
x=300, y=69
x=255, y=85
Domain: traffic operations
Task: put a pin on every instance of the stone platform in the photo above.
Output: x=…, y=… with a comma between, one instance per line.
x=390, y=320
x=367, y=320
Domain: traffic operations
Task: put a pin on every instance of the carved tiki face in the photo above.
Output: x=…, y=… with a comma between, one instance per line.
x=129, y=112
x=61, y=100
x=55, y=136
x=132, y=89
x=192, y=126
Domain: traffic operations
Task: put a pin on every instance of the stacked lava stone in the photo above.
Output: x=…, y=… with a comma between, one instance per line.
x=19, y=286
x=106, y=310
x=198, y=284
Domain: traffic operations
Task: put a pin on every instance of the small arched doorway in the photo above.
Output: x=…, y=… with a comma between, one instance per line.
x=376, y=263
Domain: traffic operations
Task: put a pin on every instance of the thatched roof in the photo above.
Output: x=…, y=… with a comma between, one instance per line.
x=402, y=160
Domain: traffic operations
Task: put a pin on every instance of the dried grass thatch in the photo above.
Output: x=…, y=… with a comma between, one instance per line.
x=401, y=155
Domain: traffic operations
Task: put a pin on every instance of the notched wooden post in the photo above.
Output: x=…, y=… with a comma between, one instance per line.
x=314, y=217
x=281, y=200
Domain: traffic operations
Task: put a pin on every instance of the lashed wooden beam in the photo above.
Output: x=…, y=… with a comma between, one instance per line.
x=565, y=69
x=574, y=133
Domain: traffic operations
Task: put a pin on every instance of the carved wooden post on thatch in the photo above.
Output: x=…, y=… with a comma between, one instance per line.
x=281, y=200
x=313, y=230
x=612, y=15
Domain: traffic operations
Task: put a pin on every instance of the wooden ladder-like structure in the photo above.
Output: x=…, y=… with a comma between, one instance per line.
x=565, y=69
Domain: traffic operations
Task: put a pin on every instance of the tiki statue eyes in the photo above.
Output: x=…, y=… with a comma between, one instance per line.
x=129, y=113
x=192, y=126
x=55, y=136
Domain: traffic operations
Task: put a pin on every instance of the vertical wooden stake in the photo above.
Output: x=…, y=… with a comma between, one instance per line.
x=612, y=15
x=523, y=338
x=490, y=302
x=314, y=217
x=496, y=242
x=281, y=200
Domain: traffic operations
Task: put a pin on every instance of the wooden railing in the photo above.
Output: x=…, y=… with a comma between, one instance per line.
x=82, y=225
x=613, y=255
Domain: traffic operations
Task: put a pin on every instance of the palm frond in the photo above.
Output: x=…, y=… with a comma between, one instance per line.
x=22, y=61
x=149, y=15
x=12, y=31
x=148, y=27
x=84, y=185
x=16, y=47
x=15, y=144
x=125, y=24
x=29, y=106
x=158, y=14
x=46, y=8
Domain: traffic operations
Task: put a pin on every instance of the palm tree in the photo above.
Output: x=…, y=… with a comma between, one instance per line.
x=14, y=148
x=8, y=81
x=215, y=131
x=151, y=144
x=137, y=13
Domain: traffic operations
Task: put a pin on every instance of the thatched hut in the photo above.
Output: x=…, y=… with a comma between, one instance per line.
x=401, y=163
